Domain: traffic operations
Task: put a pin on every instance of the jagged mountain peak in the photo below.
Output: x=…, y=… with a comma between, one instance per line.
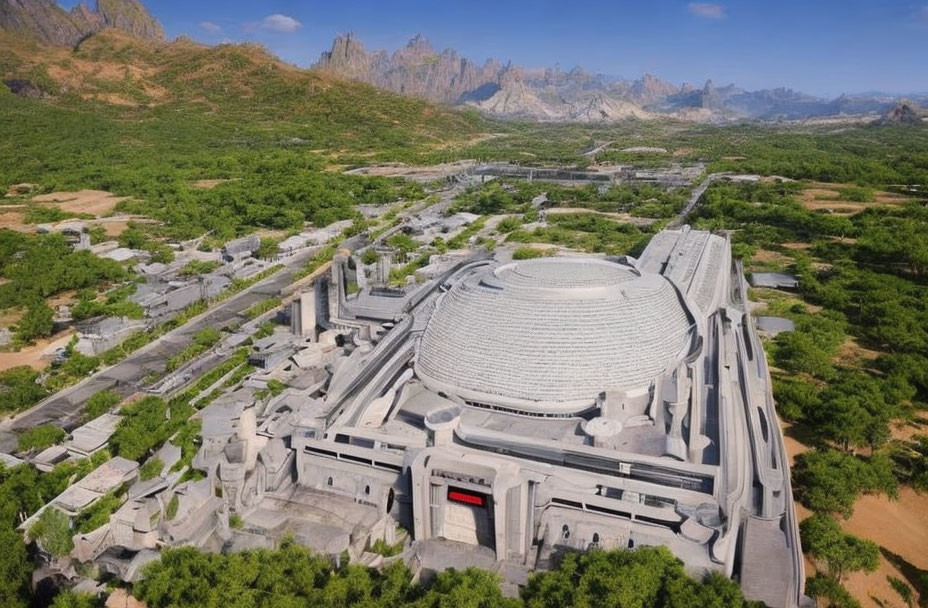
x=49, y=23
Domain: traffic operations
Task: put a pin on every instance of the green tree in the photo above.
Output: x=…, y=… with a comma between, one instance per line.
x=19, y=389
x=71, y=599
x=101, y=403
x=38, y=322
x=268, y=248
x=830, y=592
x=207, y=336
x=53, y=532
x=15, y=567
x=839, y=552
x=829, y=481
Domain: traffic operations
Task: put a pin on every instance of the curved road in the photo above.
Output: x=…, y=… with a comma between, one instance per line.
x=65, y=407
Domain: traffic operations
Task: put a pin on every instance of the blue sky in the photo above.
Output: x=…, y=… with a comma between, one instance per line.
x=823, y=47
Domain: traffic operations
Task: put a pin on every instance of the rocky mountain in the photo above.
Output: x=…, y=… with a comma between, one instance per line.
x=902, y=113
x=575, y=95
x=416, y=69
x=49, y=23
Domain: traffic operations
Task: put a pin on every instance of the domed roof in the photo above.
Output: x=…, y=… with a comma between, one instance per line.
x=549, y=335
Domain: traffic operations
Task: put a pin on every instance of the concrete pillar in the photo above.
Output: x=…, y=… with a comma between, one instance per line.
x=303, y=315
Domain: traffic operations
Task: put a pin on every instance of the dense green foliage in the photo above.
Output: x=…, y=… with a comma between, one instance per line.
x=40, y=437
x=292, y=576
x=101, y=403
x=512, y=196
x=586, y=232
x=41, y=266
x=146, y=424
x=19, y=389
x=839, y=552
x=53, y=532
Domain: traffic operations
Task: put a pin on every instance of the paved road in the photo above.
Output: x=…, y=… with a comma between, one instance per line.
x=65, y=407
x=695, y=198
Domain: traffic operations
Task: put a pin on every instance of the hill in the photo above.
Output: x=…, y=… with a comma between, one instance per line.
x=148, y=119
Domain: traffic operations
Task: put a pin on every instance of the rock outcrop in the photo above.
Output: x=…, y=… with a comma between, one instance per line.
x=416, y=69
x=903, y=113
x=48, y=23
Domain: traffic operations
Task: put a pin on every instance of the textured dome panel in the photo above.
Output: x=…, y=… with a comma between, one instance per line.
x=550, y=331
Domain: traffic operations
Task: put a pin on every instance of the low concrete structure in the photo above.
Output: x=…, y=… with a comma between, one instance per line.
x=774, y=280
x=99, y=335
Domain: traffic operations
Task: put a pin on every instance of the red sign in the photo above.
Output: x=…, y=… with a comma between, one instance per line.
x=467, y=498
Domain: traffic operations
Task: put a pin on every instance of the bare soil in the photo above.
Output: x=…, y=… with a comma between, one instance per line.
x=38, y=355
x=208, y=184
x=13, y=218
x=94, y=202
x=853, y=353
x=900, y=527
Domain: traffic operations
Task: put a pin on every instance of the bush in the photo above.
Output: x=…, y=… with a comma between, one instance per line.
x=840, y=553
x=528, y=253
x=101, y=403
x=19, y=389
x=53, y=532
x=40, y=437
x=829, y=481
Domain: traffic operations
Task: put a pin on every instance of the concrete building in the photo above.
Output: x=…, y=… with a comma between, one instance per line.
x=501, y=414
x=565, y=403
x=97, y=336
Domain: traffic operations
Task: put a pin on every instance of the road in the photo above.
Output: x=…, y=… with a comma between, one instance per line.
x=65, y=407
x=695, y=198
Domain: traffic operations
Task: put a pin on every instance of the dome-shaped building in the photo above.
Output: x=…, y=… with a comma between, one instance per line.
x=547, y=336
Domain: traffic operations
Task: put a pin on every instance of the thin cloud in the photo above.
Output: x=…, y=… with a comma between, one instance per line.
x=210, y=27
x=283, y=24
x=707, y=11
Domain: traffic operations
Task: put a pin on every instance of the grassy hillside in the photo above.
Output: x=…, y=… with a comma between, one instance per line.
x=147, y=120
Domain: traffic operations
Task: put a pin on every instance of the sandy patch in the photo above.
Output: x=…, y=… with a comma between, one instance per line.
x=765, y=256
x=94, y=202
x=208, y=184
x=871, y=589
x=114, y=229
x=852, y=353
x=825, y=197
x=37, y=356
x=901, y=526
x=13, y=219
x=797, y=246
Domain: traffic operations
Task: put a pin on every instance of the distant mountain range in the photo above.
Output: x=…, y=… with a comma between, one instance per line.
x=576, y=95
x=497, y=88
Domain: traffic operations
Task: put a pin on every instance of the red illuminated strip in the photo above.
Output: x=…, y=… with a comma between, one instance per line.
x=467, y=498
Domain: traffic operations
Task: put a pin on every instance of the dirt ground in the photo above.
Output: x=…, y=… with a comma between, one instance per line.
x=851, y=352
x=12, y=218
x=400, y=170
x=900, y=527
x=798, y=246
x=94, y=202
x=35, y=356
x=208, y=184
x=824, y=197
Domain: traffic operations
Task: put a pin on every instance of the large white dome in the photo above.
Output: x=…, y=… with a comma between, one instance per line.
x=549, y=335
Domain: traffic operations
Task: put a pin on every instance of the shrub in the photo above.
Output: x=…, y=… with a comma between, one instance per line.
x=40, y=437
